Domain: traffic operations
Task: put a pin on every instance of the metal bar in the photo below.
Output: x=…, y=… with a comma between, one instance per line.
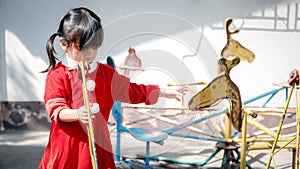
x=179, y=127
x=274, y=91
x=280, y=125
x=298, y=127
x=244, y=142
x=90, y=129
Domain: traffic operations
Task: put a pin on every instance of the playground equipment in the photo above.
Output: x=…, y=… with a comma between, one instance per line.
x=236, y=115
x=230, y=143
x=222, y=87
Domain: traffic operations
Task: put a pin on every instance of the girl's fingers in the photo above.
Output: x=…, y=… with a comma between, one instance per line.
x=182, y=90
x=83, y=115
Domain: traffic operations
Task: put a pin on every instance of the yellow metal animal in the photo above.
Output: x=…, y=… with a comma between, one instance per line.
x=233, y=47
x=222, y=87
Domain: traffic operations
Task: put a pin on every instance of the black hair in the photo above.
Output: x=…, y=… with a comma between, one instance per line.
x=81, y=27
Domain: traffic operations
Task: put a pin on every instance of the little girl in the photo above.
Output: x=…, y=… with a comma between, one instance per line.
x=80, y=36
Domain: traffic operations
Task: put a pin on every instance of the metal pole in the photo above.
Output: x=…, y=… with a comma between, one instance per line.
x=280, y=125
x=298, y=128
x=90, y=129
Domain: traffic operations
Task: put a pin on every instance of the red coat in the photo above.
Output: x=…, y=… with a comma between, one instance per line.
x=68, y=146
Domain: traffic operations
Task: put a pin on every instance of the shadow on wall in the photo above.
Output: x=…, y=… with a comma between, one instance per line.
x=278, y=18
x=24, y=116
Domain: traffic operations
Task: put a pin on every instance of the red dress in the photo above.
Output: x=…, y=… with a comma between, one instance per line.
x=68, y=146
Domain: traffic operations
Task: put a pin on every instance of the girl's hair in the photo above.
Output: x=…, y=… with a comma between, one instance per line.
x=80, y=27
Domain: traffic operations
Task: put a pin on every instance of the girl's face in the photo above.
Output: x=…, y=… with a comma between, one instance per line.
x=87, y=55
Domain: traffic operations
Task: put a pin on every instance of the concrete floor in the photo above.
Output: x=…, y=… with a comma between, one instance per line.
x=23, y=150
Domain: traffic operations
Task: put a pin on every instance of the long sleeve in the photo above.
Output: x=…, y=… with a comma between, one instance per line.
x=55, y=95
x=125, y=91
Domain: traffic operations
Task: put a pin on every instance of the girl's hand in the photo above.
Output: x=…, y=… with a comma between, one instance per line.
x=82, y=113
x=173, y=93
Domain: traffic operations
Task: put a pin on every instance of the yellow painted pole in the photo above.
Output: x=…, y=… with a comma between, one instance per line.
x=90, y=129
x=244, y=143
x=298, y=128
x=280, y=125
x=281, y=139
x=227, y=126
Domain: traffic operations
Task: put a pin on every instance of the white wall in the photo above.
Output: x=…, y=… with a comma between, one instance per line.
x=163, y=32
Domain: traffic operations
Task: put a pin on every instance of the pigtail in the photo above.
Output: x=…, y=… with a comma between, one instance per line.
x=51, y=52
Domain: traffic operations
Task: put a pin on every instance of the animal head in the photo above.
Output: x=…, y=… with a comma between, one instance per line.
x=233, y=47
x=221, y=87
x=210, y=95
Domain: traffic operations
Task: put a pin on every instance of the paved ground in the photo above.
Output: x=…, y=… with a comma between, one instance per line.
x=23, y=150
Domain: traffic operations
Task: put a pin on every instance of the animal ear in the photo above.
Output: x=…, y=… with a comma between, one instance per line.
x=222, y=61
x=236, y=60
